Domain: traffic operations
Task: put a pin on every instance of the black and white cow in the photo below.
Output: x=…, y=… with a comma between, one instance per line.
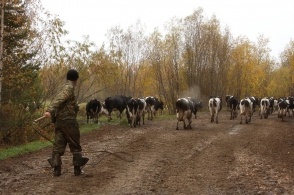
x=290, y=101
x=246, y=109
x=264, y=108
x=93, y=109
x=131, y=111
x=116, y=103
x=282, y=108
x=103, y=110
x=275, y=105
x=184, y=109
x=255, y=102
x=215, y=106
x=196, y=105
x=158, y=105
x=141, y=110
x=232, y=104
x=271, y=104
x=152, y=105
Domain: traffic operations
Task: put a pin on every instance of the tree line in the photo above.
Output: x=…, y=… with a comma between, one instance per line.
x=194, y=57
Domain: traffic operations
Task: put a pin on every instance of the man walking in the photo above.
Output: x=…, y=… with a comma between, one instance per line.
x=63, y=111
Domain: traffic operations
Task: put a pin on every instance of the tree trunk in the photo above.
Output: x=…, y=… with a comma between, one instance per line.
x=1, y=49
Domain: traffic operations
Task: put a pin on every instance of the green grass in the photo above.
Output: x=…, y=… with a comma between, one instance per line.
x=37, y=145
x=88, y=127
x=32, y=146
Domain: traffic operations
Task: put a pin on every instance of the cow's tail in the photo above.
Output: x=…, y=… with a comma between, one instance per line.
x=242, y=109
x=211, y=102
x=96, y=110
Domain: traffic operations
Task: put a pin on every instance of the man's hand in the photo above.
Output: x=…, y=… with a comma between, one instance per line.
x=47, y=114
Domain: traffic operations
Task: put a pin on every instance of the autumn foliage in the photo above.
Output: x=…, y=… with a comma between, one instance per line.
x=195, y=57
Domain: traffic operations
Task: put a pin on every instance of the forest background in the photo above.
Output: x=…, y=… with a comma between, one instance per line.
x=195, y=57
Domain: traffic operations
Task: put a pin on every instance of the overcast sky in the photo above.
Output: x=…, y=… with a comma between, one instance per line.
x=272, y=18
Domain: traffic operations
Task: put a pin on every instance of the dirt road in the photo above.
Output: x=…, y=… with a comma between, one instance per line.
x=224, y=158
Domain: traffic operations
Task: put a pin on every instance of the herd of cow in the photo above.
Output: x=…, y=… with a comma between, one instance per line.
x=136, y=108
x=185, y=107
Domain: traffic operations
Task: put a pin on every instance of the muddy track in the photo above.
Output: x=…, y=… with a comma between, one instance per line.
x=224, y=158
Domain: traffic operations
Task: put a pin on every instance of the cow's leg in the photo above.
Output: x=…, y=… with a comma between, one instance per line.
x=241, y=118
x=177, y=125
x=109, y=115
x=143, y=116
x=152, y=112
x=120, y=113
x=235, y=114
x=138, y=120
x=190, y=122
x=134, y=119
x=95, y=119
x=184, y=121
x=279, y=116
x=216, y=117
x=212, y=117
x=133, y=123
x=246, y=119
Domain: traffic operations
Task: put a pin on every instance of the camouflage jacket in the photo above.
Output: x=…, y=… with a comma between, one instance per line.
x=64, y=106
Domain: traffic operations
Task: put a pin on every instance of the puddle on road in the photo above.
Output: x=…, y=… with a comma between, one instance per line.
x=235, y=130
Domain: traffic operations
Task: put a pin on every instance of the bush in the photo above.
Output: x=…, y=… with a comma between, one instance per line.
x=16, y=125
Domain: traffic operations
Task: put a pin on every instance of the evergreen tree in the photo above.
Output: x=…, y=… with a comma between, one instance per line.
x=19, y=73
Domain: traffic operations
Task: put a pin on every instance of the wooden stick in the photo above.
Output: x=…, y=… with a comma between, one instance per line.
x=39, y=119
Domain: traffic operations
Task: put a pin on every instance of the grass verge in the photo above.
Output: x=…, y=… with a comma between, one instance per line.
x=37, y=145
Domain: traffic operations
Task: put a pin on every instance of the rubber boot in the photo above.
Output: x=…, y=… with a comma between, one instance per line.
x=55, y=163
x=57, y=171
x=78, y=160
x=77, y=171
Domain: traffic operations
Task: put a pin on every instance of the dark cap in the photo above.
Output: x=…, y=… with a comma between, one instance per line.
x=72, y=75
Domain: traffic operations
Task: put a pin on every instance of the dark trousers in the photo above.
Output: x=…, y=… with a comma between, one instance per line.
x=66, y=132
